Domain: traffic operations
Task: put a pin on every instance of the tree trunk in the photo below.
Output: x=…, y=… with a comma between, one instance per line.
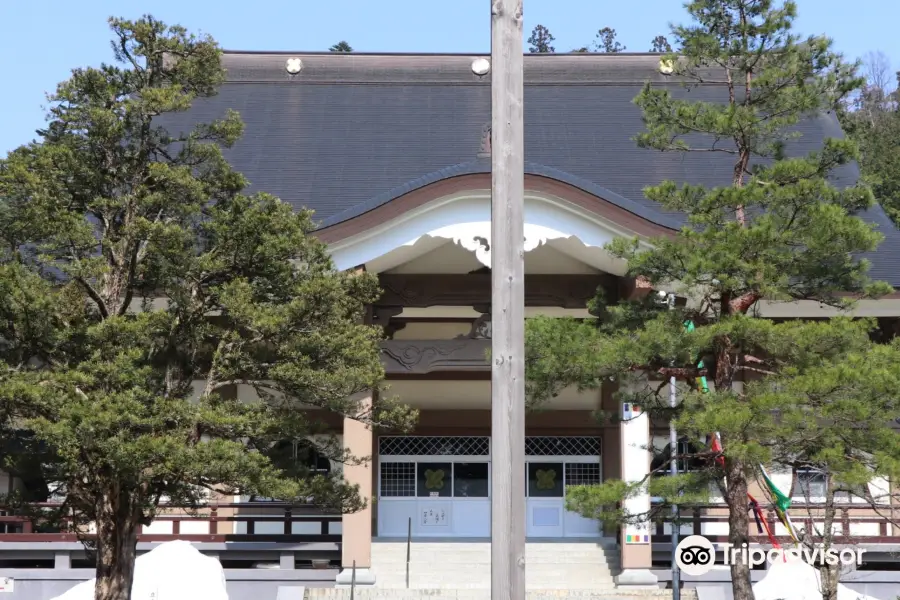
x=117, y=527
x=830, y=575
x=738, y=529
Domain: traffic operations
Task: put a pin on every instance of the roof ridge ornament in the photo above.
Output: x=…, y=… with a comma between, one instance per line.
x=666, y=66
x=293, y=65
x=481, y=66
x=476, y=237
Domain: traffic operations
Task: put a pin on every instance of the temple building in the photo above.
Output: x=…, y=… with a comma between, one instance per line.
x=392, y=152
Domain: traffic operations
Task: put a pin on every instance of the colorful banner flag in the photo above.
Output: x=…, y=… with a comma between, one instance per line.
x=782, y=501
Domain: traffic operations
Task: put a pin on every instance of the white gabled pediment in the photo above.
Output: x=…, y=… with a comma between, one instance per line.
x=450, y=257
x=465, y=219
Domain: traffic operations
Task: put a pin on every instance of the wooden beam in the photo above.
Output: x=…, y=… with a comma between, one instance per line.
x=508, y=303
x=420, y=357
x=422, y=291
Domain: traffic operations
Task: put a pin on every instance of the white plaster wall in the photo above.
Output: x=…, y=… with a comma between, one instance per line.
x=158, y=527
x=864, y=529
x=447, y=258
x=463, y=217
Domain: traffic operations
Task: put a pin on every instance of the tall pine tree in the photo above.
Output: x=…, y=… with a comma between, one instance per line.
x=341, y=46
x=872, y=120
x=606, y=41
x=780, y=231
x=849, y=453
x=541, y=40
x=660, y=44
x=132, y=266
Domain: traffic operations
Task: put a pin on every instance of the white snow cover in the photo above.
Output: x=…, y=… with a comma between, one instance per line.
x=796, y=580
x=171, y=571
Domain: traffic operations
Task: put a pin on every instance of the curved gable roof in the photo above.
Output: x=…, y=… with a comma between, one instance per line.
x=482, y=166
x=351, y=132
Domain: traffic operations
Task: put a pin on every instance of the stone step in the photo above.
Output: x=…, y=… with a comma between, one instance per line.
x=470, y=594
x=443, y=566
x=482, y=581
x=453, y=558
x=484, y=574
x=555, y=557
x=478, y=545
x=452, y=555
x=400, y=586
x=486, y=543
x=413, y=586
x=418, y=553
x=471, y=569
x=473, y=573
x=486, y=568
x=486, y=548
x=448, y=558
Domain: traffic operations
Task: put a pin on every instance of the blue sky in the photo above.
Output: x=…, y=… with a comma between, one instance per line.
x=41, y=41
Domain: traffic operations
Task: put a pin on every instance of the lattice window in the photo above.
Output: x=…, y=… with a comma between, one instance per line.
x=582, y=474
x=562, y=446
x=398, y=479
x=434, y=446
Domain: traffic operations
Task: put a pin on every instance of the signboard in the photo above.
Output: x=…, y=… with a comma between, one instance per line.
x=7, y=585
x=435, y=517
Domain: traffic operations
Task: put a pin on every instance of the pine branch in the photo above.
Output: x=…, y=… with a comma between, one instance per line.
x=682, y=373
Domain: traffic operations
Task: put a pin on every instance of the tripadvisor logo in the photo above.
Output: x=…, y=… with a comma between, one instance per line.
x=696, y=555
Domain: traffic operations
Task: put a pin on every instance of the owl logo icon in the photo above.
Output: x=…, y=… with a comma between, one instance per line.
x=695, y=555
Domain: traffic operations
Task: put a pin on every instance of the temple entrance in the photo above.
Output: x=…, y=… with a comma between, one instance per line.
x=554, y=464
x=440, y=486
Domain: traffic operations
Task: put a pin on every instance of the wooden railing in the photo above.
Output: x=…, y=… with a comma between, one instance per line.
x=809, y=518
x=30, y=528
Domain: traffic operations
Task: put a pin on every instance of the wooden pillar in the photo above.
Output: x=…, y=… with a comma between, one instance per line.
x=612, y=446
x=507, y=303
x=635, y=540
x=356, y=528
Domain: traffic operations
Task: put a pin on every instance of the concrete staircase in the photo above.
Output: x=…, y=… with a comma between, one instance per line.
x=459, y=565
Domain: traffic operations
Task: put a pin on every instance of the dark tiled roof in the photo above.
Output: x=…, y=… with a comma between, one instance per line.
x=352, y=131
